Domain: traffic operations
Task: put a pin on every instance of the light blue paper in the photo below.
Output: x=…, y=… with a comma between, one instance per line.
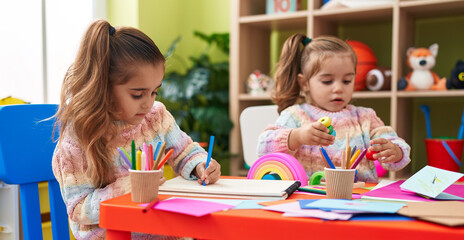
x=431, y=181
x=250, y=204
x=368, y=206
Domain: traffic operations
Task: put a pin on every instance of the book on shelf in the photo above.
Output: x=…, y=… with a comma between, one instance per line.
x=231, y=188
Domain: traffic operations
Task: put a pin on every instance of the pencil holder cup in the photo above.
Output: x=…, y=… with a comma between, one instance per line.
x=339, y=182
x=144, y=185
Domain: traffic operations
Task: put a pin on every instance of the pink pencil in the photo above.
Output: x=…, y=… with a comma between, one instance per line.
x=145, y=159
x=358, y=160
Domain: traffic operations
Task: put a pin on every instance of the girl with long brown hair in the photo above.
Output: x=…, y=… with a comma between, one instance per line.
x=108, y=100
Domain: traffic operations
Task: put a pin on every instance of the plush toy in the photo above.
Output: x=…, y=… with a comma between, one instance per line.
x=422, y=60
x=378, y=79
x=259, y=83
x=456, y=79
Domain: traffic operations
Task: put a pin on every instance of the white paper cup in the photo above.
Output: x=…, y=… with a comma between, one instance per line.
x=339, y=183
x=144, y=185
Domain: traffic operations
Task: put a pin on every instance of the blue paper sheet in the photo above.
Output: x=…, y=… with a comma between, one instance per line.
x=341, y=204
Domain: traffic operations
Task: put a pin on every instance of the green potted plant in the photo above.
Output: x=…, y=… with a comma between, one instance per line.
x=199, y=98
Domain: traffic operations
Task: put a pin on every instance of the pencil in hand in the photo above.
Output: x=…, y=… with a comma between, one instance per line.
x=150, y=205
x=210, y=152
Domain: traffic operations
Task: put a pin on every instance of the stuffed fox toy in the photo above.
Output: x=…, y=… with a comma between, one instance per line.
x=422, y=60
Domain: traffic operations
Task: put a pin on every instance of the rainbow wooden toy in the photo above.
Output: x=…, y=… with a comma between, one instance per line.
x=284, y=165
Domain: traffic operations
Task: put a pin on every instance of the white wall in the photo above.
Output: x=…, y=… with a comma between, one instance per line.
x=21, y=50
x=25, y=71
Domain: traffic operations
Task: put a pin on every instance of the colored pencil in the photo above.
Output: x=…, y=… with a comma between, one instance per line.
x=150, y=156
x=358, y=160
x=127, y=154
x=348, y=152
x=210, y=152
x=326, y=157
x=145, y=158
x=160, y=155
x=133, y=159
x=326, y=164
x=139, y=160
x=165, y=159
x=354, y=157
x=124, y=156
x=150, y=205
x=353, y=151
x=143, y=161
x=157, y=149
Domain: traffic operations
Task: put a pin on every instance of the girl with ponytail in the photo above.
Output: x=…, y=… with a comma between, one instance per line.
x=108, y=100
x=315, y=79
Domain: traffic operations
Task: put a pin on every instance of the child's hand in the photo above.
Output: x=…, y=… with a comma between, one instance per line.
x=388, y=152
x=212, y=173
x=310, y=134
x=162, y=180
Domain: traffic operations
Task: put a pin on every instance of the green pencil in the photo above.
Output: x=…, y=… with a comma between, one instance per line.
x=127, y=154
x=133, y=155
x=311, y=190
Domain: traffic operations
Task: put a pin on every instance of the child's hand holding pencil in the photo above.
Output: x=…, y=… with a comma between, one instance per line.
x=211, y=174
x=209, y=171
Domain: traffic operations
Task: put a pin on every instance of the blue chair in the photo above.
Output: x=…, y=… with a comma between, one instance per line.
x=26, y=150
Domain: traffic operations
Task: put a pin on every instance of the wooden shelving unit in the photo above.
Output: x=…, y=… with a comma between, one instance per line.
x=250, y=46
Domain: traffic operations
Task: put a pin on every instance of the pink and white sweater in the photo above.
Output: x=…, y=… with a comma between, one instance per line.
x=361, y=124
x=83, y=199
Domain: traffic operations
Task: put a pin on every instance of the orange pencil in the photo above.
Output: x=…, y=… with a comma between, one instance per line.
x=165, y=159
x=354, y=157
x=150, y=205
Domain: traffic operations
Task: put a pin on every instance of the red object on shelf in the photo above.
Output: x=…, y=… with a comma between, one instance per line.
x=366, y=62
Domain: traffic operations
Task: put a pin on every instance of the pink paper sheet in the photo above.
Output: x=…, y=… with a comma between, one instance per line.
x=393, y=191
x=191, y=207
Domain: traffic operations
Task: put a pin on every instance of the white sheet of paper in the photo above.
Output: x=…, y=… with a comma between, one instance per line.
x=232, y=202
x=431, y=181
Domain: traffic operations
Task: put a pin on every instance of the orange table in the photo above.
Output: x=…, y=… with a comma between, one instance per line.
x=120, y=216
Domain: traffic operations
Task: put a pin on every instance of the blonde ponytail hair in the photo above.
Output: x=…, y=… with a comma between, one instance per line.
x=301, y=55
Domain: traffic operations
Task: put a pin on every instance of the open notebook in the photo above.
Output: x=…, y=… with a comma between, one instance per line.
x=231, y=188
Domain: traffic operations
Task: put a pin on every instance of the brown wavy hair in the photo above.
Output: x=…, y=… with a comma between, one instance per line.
x=107, y=56
x=296, y=58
